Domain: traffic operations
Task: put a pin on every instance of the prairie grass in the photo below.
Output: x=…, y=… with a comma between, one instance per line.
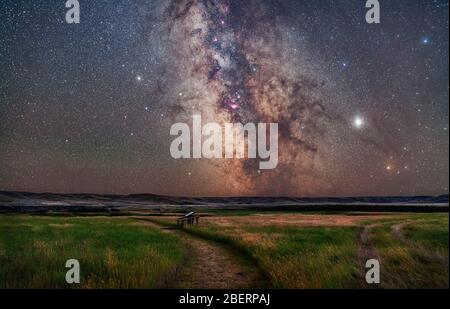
x=328, y=257
x=418, y=258
x=307, y=257
x=113, y=252
x=431, y=232
x=121, y=252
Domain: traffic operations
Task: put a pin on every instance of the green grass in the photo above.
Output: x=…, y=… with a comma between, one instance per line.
x=419, y=259
x=314, y=257
x=327, y=257
x=113, y=252
x=430, y=232
x=403, y=266
x=308, y=257
x=120, y=252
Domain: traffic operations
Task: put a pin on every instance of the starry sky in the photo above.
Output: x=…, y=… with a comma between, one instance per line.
x=362, y=108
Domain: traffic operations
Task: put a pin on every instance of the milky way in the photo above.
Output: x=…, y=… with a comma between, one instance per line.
x=243, y=72
x=362, y=109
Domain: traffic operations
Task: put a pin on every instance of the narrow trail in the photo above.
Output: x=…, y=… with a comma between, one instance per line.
x=365, y=250
x=210, y=265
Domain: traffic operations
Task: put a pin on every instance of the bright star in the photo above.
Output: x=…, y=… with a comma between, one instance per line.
x=425, y=40
x=358, y=122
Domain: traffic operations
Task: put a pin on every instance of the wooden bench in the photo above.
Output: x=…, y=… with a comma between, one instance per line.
x=188, y=219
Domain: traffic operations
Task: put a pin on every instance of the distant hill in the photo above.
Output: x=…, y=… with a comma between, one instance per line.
x=12, y=199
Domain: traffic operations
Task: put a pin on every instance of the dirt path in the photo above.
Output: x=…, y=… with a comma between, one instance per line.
x=365, y=249
x=366, y=252
x=211, y=265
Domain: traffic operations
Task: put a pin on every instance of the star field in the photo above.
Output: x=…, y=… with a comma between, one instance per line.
x=362, y=108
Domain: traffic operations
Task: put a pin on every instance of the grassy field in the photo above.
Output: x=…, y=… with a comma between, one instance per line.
x=414, y=251
x=294, y=249
x=113, y=252
x=323, y=250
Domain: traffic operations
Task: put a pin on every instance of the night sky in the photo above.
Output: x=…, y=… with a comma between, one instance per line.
x=362, y=108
